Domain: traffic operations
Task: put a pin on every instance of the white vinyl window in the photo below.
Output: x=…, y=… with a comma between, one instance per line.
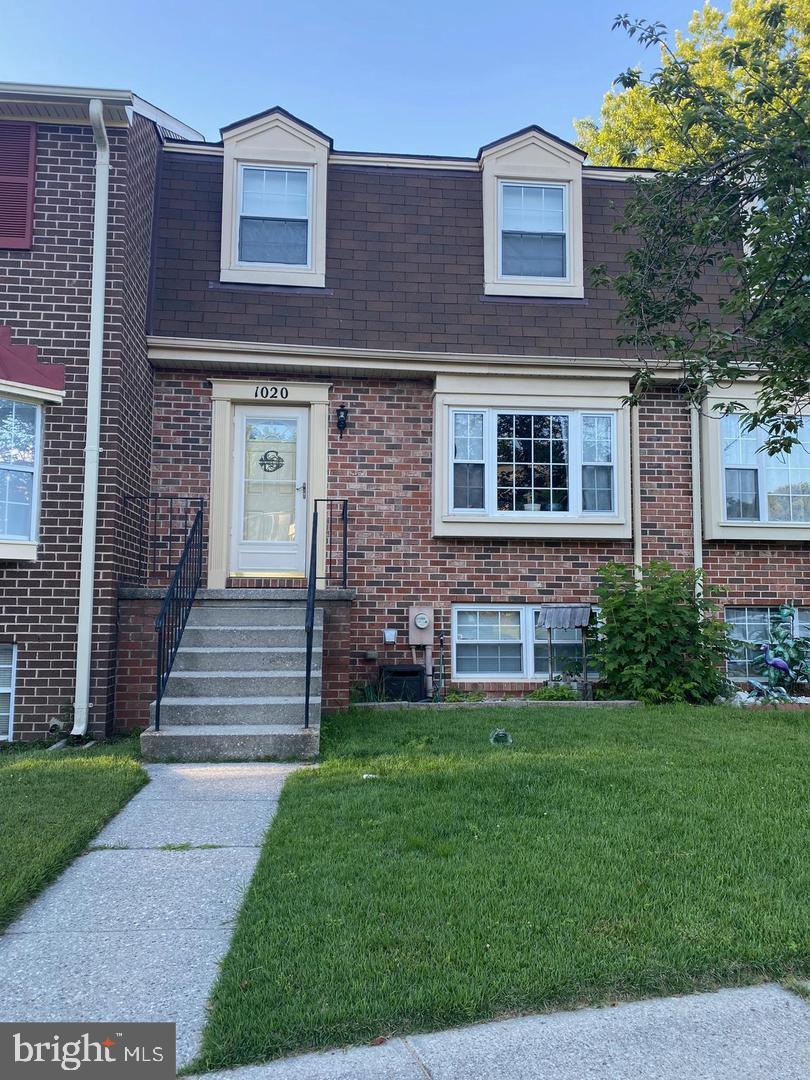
x=20, y=427
x=532, y=227
x=505, y=642
x=762, y=488
x=750, y=627
x=7, y=671
x=532, y=463
x=274, y=226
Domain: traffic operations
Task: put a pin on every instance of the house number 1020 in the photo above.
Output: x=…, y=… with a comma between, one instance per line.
x=269, y=392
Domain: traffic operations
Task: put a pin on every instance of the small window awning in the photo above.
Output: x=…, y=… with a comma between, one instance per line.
x=563, y=616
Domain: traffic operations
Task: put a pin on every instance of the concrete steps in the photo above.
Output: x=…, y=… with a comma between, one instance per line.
x=236, y=691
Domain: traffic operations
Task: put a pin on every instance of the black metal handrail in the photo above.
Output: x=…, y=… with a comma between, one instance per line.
x=174, y=611
x=313, y=577
x=156, y=527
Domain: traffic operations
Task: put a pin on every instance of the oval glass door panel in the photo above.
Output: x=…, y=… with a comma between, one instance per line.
x=270, y=491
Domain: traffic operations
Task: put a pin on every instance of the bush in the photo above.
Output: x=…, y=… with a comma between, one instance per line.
x=465, y=695
x=553, y=693
x=659, y=641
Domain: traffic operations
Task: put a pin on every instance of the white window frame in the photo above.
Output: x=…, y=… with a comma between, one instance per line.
x=529, y=278
x=12, y=692
x=760, y=467
x=575, y=463
x=802, y=616
x=36, y=472
x=527, y=643
x=266, y=166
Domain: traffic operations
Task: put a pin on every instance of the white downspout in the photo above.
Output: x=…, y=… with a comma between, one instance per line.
x=697, y=494
x=635, y=489
x=84, y=642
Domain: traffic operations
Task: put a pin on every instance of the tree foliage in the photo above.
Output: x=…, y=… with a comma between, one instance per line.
x=727, y=112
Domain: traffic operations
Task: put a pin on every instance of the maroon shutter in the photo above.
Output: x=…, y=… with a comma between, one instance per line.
x=18, y=149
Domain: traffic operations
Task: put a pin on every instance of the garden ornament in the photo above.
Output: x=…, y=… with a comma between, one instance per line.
x=775, y=662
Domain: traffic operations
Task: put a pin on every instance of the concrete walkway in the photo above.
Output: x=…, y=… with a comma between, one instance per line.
x=134, y=930
x=761, y=1033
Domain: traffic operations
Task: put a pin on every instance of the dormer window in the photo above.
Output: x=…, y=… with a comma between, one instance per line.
x=274, y=219
x=274, y=202
x=532, y=200
x=533, y=234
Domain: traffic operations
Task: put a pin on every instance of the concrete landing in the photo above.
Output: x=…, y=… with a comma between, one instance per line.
x=135, y=928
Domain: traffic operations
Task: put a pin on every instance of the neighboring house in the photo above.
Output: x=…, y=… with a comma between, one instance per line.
x=416, y=336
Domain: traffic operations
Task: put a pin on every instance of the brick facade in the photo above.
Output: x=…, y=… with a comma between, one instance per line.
x=45, y=300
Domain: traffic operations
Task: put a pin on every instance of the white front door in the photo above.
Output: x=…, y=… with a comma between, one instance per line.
x=269, y=491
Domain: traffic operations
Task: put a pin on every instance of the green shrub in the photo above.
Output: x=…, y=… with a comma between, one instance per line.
x=553, y=693
x=659, y=641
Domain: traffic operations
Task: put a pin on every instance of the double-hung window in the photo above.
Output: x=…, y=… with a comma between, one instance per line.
x=532, y=463
x=19, y=467
x=274, y=216
x=533, y=230
x=759, y=488
x=492, y=642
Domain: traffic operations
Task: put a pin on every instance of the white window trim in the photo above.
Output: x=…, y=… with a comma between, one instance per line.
x=24, y=548
x=282, y=267
x=532, y=158
x=507, y=394
x=274, y=141
x=527, y=643
x=574, y=463
x=716, y=525
x=526, y=279
x=12, y=695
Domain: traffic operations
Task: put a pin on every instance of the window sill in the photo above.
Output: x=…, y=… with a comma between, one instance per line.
x=798, y=533
x=490, y=528
x=247, y=275
x=18, y=551
x=547, y=289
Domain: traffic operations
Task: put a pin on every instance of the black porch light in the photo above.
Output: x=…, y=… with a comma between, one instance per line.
x=342, y=418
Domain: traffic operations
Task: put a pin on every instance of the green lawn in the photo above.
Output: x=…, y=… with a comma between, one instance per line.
x=605, y=854
x=52, y=804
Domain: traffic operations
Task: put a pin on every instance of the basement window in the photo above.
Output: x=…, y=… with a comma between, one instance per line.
x=750, y=627
x=7, y=672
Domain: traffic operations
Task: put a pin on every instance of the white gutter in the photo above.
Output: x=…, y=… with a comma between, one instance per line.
x=635, y=490
x=84, y=642
x=697, y=495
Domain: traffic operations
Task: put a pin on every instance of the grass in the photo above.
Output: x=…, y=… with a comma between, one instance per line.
x=52, y=804
x=606, y=854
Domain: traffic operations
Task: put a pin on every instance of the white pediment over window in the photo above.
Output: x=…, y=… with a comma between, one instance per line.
x=532, y=198
x=274, y=201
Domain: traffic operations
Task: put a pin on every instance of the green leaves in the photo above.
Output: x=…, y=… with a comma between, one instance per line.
x=658, y=640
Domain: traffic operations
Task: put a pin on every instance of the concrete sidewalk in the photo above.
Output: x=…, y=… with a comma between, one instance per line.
x=133, y=930
x=758, y=1033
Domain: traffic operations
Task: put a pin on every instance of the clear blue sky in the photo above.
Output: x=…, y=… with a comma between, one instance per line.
x=419, y=76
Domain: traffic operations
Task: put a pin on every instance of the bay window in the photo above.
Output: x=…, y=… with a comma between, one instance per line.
x=19, y=469
x=532, y=462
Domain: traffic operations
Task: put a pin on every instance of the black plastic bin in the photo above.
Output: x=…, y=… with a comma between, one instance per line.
x=402, y=682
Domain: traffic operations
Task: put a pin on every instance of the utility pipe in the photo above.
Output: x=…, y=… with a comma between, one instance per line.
x=635, y=489
x=697, y=495
x=84, y=635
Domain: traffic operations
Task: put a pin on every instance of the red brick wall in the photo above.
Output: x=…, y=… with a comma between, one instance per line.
x=383, y=466
x=135, y=669
x=44, y=298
